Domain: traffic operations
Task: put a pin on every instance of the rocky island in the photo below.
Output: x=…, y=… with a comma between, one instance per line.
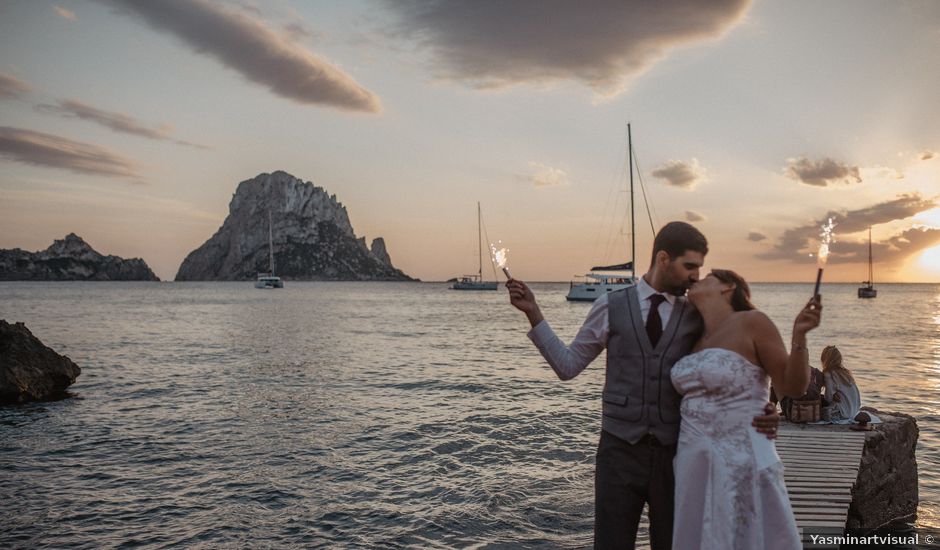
x=313, y=238
x=70, y=259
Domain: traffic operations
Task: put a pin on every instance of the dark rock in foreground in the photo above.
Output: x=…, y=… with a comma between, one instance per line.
x=70, y=259
x=30, y=371
x=313, y=238
x=886, y=489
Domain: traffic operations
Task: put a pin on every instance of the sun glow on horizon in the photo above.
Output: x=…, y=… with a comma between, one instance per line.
x=929, y=260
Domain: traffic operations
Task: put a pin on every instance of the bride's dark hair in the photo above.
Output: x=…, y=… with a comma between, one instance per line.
x=741, y=297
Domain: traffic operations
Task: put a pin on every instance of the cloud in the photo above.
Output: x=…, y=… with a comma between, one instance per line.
x=821, y=173
x=297, y=31
x=680, y=174
x=12, y=87
x=40, y=149
x=64, y=13
x=883, y=173
x=118, y=122
x=602, y=44
x=894, y=249
x=927, y=155
x=798, y=243
x=693, y=217
x=248, y=46
x=756, y=236
x=545, y=176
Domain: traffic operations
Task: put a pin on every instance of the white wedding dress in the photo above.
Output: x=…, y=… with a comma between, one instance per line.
x=730, y=492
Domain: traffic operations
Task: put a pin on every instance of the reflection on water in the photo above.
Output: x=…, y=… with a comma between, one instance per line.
x=364, y=414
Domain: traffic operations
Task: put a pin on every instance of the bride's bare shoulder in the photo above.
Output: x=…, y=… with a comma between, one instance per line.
x=755, y=320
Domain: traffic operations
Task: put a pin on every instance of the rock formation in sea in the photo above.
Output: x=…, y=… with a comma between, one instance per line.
x=313, y=239
x=29, y=370
x=70, y=259
x=886, y=489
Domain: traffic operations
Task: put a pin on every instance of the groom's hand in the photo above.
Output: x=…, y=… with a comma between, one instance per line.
x=767, y=424
x=522, y=298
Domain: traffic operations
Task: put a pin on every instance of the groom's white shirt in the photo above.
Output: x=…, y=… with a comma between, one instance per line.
x=569, y=361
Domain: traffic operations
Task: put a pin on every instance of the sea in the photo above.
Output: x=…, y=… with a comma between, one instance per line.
x=359, y=414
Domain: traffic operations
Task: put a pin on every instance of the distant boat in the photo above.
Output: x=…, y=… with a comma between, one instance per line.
x=596, y=284
x=868, y=291
x=476, y=282
x=608, y=280
x=269, y=280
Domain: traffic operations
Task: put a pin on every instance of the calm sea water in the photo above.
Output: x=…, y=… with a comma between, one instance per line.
x=357, y=414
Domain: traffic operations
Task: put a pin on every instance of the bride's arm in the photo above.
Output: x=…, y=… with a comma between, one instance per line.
x=788, y=371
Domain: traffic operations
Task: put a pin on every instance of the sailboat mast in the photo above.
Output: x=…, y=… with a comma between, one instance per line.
x=479, y=241
x=871, y=275
x=270, y=244
x=632, y=213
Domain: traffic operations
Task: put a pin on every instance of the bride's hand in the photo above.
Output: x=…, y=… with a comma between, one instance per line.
x=809, y=316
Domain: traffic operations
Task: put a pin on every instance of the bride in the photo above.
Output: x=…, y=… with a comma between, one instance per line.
x=730, y=492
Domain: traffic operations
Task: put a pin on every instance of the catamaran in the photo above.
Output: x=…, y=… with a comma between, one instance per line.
x=868, y=291
x=476, y=282
x=269, y=280
x=604, y=279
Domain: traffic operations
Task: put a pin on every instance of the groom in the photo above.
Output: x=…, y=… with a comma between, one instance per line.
x=646, y=328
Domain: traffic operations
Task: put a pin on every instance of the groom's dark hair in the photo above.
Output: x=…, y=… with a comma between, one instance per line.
x=677, y=237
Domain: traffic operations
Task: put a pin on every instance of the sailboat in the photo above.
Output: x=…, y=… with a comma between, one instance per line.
x=476, y=282
x=604, y=279
x=269, y=280
x=868, y=291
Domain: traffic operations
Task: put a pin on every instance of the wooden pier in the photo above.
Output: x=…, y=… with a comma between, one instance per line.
x=821, y=467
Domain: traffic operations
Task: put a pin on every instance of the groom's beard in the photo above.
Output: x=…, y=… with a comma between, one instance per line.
x=682, y=289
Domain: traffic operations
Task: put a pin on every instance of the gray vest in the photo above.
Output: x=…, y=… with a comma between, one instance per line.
x=638, y=395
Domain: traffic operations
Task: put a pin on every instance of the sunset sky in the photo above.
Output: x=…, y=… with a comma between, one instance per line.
x=130, y=123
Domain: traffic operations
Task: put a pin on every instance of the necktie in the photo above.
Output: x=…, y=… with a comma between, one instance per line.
x=654, y=323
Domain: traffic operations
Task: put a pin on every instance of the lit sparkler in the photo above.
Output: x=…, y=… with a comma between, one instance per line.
x=825, y=237
x=500, y=257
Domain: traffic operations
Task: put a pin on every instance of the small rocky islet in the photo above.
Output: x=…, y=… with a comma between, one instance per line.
x=71, y=259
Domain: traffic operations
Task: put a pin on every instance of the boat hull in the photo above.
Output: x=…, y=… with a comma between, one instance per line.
x=475, y=285
x=269, y=282
x=867, y=292
x=592, y=291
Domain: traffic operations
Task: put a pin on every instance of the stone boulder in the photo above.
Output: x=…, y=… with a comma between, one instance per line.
x=29, y=370
x=886, y=489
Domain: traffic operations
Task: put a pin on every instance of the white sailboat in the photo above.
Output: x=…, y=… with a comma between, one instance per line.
x=269, y=280
x=604, y=279
x=476, y=282
x=868, y=291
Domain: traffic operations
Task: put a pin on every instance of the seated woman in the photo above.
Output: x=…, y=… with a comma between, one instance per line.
x=841, y=390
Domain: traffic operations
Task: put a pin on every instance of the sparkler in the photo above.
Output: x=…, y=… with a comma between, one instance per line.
x=825, y=237
x=500, y=257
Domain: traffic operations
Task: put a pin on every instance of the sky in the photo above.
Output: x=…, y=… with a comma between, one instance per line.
x=131, y=122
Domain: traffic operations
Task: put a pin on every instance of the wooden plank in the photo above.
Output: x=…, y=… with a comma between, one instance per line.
x=847, y=452
x=805, y=504
x=820, y=470
x=821, y=487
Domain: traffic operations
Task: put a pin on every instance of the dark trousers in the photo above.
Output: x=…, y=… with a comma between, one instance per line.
x=627, y=477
